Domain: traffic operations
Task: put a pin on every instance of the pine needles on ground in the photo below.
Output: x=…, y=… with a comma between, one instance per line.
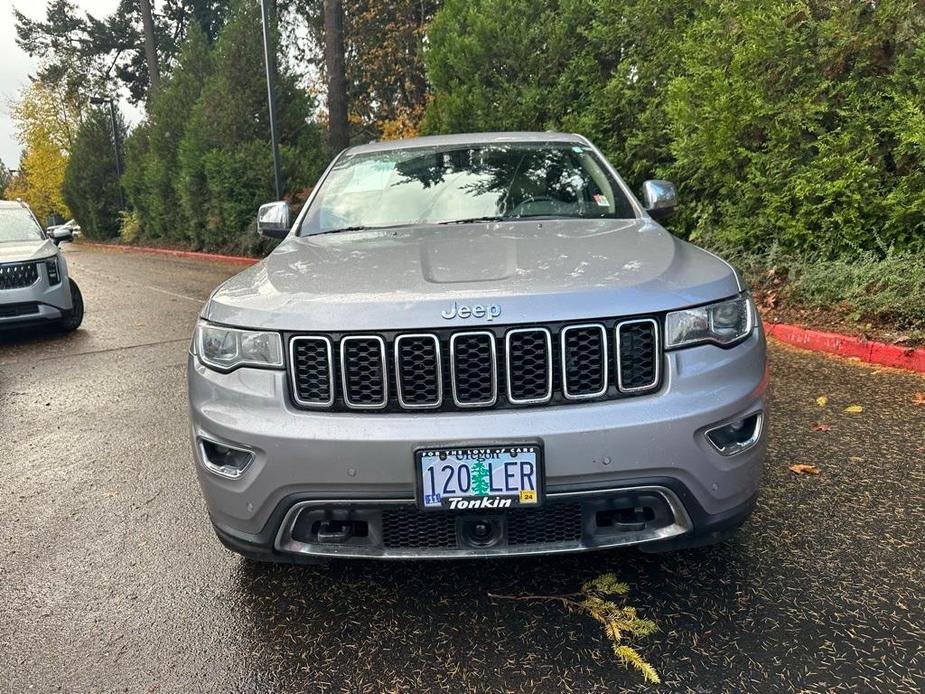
x=596, y=599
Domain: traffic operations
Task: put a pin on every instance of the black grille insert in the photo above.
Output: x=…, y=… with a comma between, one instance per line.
x=364, y=371
x=18, y=275
x=584, y=361
x=313, y=372
x=406, y=528
x=553, y=523
x=638, y=354
x=529, y=365
x=417, y=368
x=474, y=369
x=415, y=529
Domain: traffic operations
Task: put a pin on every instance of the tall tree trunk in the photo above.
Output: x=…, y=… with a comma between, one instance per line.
x=338, y=135
x=154, y=74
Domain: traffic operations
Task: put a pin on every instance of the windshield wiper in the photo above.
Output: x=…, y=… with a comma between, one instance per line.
x=358, y=227
x=473, y=220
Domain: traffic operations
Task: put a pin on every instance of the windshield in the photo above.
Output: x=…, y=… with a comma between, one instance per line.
x=455, y=184
x=18, y=224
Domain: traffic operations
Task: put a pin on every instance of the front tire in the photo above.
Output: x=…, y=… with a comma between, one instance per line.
x=73, y=318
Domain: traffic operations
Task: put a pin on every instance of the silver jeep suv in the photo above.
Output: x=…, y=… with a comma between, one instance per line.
x=477, y=345
x=34, y=285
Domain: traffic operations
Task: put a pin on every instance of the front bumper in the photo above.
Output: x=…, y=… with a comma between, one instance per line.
x=593, y=453
x=40, y=302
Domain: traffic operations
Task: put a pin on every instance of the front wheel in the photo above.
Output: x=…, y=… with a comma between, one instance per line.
x=73, y=318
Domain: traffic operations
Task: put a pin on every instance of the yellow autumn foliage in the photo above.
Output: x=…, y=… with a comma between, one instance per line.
x=45, y=126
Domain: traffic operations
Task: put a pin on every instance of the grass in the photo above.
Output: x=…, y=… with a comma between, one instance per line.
x=883, y=295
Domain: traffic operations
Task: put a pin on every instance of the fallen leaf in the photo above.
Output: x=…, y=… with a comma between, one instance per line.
x=822, y=401
x=919, y=399
x=801, y=469
x=819, y=426
x=854, y=409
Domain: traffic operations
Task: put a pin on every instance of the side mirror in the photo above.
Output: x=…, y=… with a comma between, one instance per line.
x=59, y=234
x=659, y=198
x=273, y=220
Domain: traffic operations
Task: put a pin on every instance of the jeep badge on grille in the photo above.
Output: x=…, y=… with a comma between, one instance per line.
x=491, y=311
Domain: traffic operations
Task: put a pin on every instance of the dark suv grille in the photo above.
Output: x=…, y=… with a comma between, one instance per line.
x=474, y=369
x=529, y=365
x=363, y=369
x=502, y=367
x=638, y=341
x=18, y=275
x=584, y=360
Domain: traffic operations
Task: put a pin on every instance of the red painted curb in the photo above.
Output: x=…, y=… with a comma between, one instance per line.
x=845, y=346
x=234, y=259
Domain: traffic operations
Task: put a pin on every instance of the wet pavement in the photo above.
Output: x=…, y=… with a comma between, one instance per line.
x=111, y=578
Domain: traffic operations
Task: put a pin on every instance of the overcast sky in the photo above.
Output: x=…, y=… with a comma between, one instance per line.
x=16, y=66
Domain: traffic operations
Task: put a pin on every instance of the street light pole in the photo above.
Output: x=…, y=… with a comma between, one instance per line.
x=271, y=99
x=99, y=101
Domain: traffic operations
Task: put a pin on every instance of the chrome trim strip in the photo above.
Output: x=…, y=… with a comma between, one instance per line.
x=401, y=399
x=737, y=448
x=284, y=541
x=292, y=370
x=385, y=373
x=494, y=369
x=507, y=370
x=605, y=376
x=618, y=357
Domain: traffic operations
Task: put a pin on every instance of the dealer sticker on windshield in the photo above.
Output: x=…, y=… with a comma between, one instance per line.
x=492, y=477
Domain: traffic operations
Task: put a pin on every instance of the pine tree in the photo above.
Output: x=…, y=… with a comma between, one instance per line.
x=480, y=481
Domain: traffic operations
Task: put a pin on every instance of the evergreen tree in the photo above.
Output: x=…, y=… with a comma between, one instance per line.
x=91, y=187
x=152, y=150
x=225, y=169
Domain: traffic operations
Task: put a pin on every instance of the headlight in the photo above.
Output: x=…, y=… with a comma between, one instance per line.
x=51, y=267
x=723, y=323
x=225, y=349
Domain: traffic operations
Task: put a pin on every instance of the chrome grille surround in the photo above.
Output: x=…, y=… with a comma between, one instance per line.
x=294, y=373
x=562, y=364
x=605, y=361
x=399, y=376
x=618, y=355
x=493, y=367
x=508, y=338
x=347, y=377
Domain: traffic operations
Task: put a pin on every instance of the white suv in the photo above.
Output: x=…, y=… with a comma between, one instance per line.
x=34, y=284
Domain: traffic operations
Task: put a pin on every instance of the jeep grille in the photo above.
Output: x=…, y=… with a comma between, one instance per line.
x=501, y=367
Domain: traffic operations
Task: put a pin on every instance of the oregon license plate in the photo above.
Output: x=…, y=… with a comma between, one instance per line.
x=484, y=478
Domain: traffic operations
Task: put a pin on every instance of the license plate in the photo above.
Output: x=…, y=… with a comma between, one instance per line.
x=490, y=477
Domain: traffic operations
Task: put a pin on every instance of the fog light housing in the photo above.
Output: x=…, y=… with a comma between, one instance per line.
x=736, y=436
x=224, y=460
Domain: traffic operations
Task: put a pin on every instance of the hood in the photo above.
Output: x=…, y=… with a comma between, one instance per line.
x=527, y=271
x=20, y=251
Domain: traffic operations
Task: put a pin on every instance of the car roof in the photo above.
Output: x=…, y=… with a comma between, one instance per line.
x=467, y=139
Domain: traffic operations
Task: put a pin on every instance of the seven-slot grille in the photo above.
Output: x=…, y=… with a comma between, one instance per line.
x=18, y=275
x=449, y=370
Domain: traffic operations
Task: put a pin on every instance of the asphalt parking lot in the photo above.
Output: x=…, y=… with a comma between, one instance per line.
x=111, y=578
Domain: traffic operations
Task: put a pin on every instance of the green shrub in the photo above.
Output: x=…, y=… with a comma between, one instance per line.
x=130, y=228
x=784, y=123
x=91, y=187
x=200, y=166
